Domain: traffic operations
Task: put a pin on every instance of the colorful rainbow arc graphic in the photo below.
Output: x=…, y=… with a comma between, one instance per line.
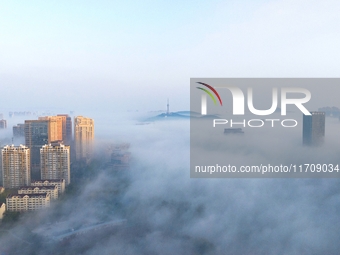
x=209, y=93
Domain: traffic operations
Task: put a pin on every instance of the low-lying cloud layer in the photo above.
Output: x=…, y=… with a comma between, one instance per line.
x=167, y=212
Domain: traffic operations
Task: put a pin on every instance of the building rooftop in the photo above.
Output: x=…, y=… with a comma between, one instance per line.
x=48, y=180
x=40, y=188
x=12, y=147
x=44, y=195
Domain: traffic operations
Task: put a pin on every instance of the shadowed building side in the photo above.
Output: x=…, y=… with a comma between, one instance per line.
x=19, y=130
x=36, y=135
x=314, y=129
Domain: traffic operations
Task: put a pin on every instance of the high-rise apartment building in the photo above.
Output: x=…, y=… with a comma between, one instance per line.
x=67, y=129
x=36, y=135
x=314, y=128
x=55, y=162
x=83, y=137
x=19, y=130
x=3, y=124
x=55, y=127
x=16, y=170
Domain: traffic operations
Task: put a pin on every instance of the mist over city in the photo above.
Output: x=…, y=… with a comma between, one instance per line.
x=99, y=140
x=160, y=210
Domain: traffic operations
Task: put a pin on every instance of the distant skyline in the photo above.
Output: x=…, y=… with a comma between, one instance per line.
x=130, y=55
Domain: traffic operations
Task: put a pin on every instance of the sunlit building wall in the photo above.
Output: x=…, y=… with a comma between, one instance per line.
x=16, y=168
x=55, y=162
x=83, y=137
x=25, y=202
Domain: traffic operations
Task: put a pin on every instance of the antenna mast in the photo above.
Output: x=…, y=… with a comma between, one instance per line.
x=167, y=107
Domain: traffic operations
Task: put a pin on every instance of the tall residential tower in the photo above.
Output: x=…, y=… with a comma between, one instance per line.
x=55, y=127
x=55, y=162
x=83, y=137
x=67, y=129
x=16, y=170
x=36, y=135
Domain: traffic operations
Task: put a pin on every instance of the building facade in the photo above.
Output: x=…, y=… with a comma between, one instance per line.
x=3, y=124
x=25, y=202
x=60, y=183
x=83, y=137
x=314, y=128
x=36, y=135
x=67, y=129
x=2, y=210
x=55, y=162
x=16, y=169
x=19, y=130
x=55, y=127
x=52, y=190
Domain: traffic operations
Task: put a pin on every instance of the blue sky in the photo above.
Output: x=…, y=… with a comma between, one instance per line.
x=128, y=55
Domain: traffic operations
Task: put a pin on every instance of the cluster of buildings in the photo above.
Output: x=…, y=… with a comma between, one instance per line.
x=46, y=155
x=36, y=196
